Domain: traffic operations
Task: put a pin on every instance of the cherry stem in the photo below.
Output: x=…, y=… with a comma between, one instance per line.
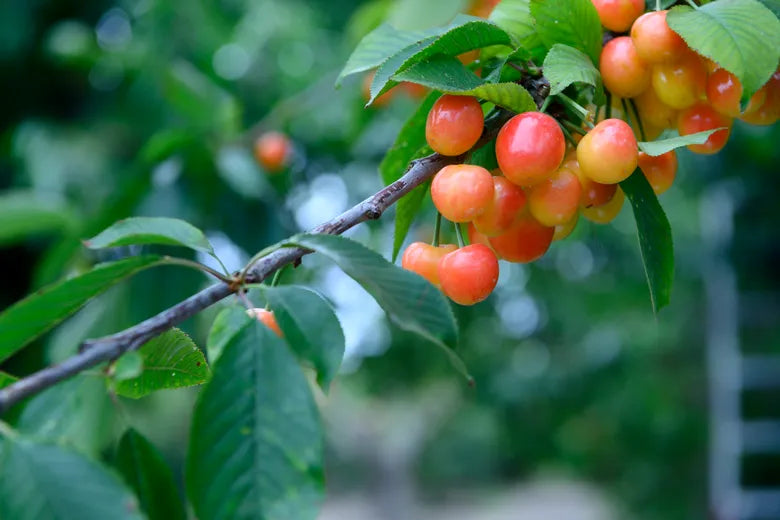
x=459, y=235
x=567, y=135
x=573, y=105
x=436, y=230
x=608, y=107
x=197, y=265
x=573, y=128
x=637, y=118
x=690, y=2
x=657, y=5
x=545, y=104
x=277, y=276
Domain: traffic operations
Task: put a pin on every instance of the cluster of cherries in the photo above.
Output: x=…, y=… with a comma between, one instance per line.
x=541, y=187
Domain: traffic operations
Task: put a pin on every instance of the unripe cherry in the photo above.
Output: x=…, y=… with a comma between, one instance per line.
x=462, y=192
x=468, y=275
x=623, y=72
x=653, y=112
x=606, y=212
x=454, y=124
x=699, y=118
x=267, y=318
x=655, y=42
x=608, y=153
x=526, y=241
x=529, y=148
x=659, y=170
x=680, y=83
x=555, y=200
x=272, y=150
x=564, y=230
x=618, y=15
x=508, y=201
x=423, y=259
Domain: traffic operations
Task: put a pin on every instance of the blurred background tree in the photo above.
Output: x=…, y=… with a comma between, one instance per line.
x=150, y=107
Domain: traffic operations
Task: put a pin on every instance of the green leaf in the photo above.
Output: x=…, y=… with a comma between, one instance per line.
x=29, y=318
x=450, y=76
x=742, y=36
x=128, y=366
x=151, y=230
x=7, y=379
x=485, y=156
x=256, y=445
x=386, y=41
x=23, y=214
x=145, y=470
x=171, y=360
x=47, y=482
x=77, y=413
x=310, y=327
x=514, y=16
x=469, y=36
x=408, y=299
x=655, y=238
x=651, y=4
x=226, y=325
x=772, y=5
x=565, y=65
x=571, y=22
x=667, y=145
x=198, y=98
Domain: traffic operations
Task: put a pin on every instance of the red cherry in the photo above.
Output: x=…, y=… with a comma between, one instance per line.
x=524, y=242
x=462, y=192
x=272, y=149
x=608, y=153
x=623, y=72
x=454, y=124
x=423, y=259
x=508, y=201
x=267, y=318
x=469, y=274
x=529, y=148
x=701, y=117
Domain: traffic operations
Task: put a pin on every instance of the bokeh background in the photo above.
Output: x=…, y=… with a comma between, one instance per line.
x=587, y=406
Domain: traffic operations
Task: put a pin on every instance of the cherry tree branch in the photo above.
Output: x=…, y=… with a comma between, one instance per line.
x=95, y=351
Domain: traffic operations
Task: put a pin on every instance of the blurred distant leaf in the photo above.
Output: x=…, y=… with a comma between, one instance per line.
x=128, y=366
x=145, y=470
x=47, y=482
x=171, y=360
x=413, y=14
x=163, y=144
x=256, y=446
x=385, y=41
x=238, y=169
x=22, y=214
x=655, y=238
x=409, y=300
x=200, y=100
x=6, y=379
x=77, y=413
x=310, y=327
x=469, y=36
x=29, y=318
x=450, y=76
x=151, y=230
x=662, y=146
x=226, y=325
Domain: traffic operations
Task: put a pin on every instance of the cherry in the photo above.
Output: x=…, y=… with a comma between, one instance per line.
x=680, y=83
x=468, y=275
x=606, y=212
x=526, y=241
x=564, y=230
x=529, y=148
x=653, y=112
x=623, y=72
x=267, y=318
x=508, y=200
x=462, y=192
x=769, y=111
x=659, y=170
x=423, y=259
x=555, y=200
x=592, y=193
x=655, y=42
x=272, y=150
x=699, y=118
x=608, y=153
x=475, y=237
x=618, y=15
x=454, y=124
x=724, y=91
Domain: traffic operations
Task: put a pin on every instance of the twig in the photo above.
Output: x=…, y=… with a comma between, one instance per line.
x=95, y=351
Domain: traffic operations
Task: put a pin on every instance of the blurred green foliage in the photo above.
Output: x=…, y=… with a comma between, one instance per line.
x=149, y=107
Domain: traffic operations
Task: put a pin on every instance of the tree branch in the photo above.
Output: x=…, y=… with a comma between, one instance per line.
x=96, y=351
